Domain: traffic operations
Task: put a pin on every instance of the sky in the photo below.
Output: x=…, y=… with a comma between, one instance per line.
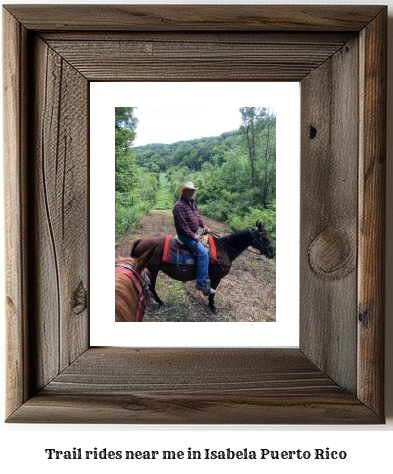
x=173, y=124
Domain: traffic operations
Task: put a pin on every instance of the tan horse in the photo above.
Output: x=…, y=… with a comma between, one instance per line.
x=132, y=287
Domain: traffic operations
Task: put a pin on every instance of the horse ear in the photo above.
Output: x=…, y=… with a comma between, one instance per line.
x=144, y=259
x=256, y=223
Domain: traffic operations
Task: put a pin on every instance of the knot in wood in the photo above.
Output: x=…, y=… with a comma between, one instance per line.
x=80, y=299
x=331, y=254
x=363, y=315
x=313, y=132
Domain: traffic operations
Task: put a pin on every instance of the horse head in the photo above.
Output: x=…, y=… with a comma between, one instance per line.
x=132, y=287
x=261, y=241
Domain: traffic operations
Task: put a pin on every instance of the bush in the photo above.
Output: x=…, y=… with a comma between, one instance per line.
x=217, y=210
x=128, y=218
x=266, y=216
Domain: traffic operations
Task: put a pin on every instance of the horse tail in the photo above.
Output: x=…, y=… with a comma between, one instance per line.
x=134, y=247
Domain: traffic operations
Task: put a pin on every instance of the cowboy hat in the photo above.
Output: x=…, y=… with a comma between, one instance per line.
x=188, y=185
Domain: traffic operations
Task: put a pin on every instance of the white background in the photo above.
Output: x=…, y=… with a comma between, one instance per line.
x=368, y=447
x=284, y=98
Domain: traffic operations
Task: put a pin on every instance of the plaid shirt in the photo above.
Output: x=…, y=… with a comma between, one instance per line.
x=187, y=218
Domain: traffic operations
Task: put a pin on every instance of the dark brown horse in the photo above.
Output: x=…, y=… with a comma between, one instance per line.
x=228, y=249
x=131, y=287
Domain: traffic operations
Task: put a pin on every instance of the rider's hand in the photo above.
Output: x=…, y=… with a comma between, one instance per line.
x=197, y=237
x=206, y=230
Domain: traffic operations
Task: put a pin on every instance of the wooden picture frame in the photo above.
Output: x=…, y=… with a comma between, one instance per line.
x=338, y=54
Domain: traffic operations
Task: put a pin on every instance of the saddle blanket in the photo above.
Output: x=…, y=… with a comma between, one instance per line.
x=184, y=256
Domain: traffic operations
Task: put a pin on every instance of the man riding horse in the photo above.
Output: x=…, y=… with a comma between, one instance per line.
x=187, y=223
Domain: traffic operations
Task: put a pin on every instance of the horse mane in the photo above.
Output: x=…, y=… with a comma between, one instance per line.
x=235, y=239
x=124, y=294
x=128, y=260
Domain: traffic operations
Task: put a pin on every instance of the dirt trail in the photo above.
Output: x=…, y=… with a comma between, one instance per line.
x=247, y=293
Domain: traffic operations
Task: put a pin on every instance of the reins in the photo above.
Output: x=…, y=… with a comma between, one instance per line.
x=237, y=251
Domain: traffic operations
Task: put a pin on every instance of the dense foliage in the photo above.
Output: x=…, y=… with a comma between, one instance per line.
x=192, y=154
x=125, y=167
x=135, y=187
x=235, y=173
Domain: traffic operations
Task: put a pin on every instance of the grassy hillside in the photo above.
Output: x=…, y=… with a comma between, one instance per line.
x=164, y=196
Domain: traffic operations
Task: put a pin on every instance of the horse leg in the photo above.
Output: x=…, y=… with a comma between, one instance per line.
x=211, y=303
x=213, y=283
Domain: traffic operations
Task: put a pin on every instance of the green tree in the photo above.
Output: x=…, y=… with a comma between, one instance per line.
x=268, y=184
x=126, y=170
x=249, y=129
x=259, y=138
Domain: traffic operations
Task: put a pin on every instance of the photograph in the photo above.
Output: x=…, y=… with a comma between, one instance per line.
x=198, y=185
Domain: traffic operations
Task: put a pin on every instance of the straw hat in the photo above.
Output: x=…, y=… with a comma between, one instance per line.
x=188, y=185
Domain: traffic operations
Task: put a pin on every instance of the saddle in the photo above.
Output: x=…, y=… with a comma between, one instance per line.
x=176, y=253
x=178, y=244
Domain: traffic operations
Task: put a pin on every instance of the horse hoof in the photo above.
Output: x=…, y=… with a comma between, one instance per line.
x=161, y=304
x=213, y=310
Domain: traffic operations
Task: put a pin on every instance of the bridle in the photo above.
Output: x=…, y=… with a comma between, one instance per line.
x=141, y=284
x=258, y=245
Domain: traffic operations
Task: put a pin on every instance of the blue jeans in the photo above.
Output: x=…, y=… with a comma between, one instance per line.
x=202, y=258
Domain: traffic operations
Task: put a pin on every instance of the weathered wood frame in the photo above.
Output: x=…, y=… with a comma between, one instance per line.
x=338, y=54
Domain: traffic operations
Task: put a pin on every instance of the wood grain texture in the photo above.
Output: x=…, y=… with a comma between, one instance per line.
x=216, y=60
x=59, y=221
x=198, y=17
x=193, y=386
x=372, y=198
x=194, y=409
x=201, y=37
x=14, y=148
x=52, y=374
x=328, y=253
